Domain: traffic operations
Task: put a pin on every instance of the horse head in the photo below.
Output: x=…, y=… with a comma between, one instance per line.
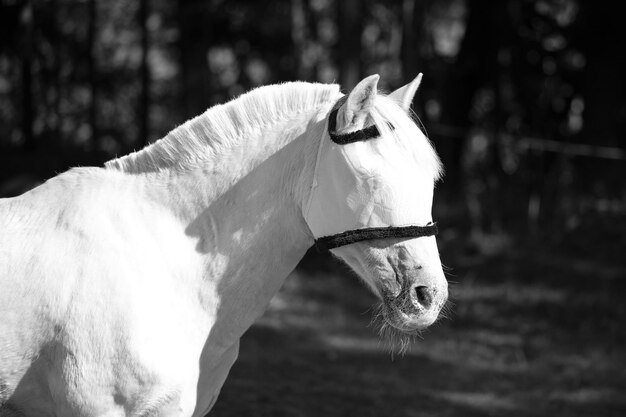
x=371, y=199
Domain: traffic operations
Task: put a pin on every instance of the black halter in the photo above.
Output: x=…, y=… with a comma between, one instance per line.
x=369, y=132
x=358, y=235
x=369, y=233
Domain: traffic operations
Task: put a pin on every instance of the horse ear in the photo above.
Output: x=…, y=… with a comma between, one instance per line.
x=404, y=95
x=353, y=113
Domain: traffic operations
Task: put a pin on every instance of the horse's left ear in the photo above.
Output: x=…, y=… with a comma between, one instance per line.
x=404, y=95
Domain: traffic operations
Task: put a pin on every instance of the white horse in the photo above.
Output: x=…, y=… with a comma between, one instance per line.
x=124, y=290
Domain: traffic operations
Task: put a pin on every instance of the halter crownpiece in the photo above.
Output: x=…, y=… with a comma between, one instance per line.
x=362, y=208
x=369, y=132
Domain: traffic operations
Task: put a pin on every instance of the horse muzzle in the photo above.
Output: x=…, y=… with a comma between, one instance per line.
x=416, y=306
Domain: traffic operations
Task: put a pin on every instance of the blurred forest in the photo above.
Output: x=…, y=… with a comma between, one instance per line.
x=523, y=99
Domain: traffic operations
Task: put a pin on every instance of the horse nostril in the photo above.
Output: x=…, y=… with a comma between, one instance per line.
x=424, y=296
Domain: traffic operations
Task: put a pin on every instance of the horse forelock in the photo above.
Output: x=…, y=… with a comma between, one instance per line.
x=225, y=126
x=387, y=118
x=394, y=122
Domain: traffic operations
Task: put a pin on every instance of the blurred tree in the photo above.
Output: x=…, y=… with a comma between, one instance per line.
x=350, y=23
x=91, y=64
x=600, y=109
x=144, y=101
x=304, y=35
x=26, y=48
x=195, y=39
x=413, y=24
x=604, y=85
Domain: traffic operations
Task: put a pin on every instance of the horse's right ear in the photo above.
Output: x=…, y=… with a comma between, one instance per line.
x=352, y=115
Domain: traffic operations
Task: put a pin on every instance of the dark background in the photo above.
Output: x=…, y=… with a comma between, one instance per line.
x=525, y=101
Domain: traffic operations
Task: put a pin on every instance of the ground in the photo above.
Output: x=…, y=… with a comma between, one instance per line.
x=532, y=332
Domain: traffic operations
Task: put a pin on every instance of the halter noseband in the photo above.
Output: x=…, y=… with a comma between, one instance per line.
x=351, y=236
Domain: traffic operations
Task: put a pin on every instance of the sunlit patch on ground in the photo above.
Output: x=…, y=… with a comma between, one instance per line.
x=589, y=396
x=487, y=401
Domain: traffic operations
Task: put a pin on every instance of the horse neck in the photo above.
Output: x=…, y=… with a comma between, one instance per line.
x=242, y=210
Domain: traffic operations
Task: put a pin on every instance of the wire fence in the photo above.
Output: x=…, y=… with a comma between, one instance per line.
x=542, y=145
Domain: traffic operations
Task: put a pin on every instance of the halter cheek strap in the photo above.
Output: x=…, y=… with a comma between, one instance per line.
x=352, y=236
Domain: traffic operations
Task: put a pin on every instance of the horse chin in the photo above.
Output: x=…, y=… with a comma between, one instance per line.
x=399, y=329
x=410, y=323
x=399, y=313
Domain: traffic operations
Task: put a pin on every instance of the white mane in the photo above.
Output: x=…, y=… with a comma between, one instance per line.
x=226, y=125
x=385, y=112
